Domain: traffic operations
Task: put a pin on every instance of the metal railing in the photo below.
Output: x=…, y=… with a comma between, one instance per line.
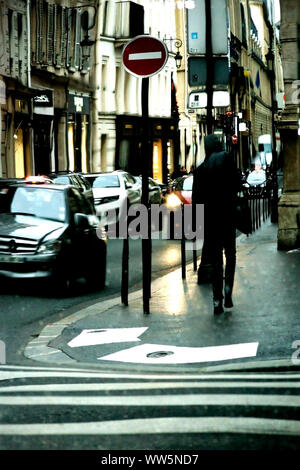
x=259, y=202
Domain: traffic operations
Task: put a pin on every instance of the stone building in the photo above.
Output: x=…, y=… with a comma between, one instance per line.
x=289, y=204
x=46, y=114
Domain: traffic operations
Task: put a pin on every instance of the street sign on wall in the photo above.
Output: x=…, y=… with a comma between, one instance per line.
x=144, y=56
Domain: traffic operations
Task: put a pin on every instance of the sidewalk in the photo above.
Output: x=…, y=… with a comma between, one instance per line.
x=265, y=316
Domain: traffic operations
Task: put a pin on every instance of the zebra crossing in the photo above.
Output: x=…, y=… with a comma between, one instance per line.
x=69, y=408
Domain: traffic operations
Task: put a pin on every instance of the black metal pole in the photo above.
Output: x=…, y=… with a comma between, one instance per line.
x=146, y=246
x=125, y=262
x=205, y=270
x=210, y=68
x=183, y=256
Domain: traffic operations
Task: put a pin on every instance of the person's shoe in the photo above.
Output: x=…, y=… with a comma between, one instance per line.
x=228, y=299
x=218, y=307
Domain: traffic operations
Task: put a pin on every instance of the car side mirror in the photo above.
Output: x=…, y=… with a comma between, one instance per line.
x=81, y=220
x=129, y=185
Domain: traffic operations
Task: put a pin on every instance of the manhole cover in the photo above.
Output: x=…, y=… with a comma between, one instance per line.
x=159, y=354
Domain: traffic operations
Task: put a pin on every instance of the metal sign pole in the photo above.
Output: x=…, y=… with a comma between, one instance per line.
x=146, y=247
x=143, y=57
x=125, y=268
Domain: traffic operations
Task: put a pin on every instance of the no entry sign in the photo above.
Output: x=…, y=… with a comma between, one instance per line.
x=144, y=56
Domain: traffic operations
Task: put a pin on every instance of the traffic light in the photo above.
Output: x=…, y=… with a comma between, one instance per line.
x=228, y=123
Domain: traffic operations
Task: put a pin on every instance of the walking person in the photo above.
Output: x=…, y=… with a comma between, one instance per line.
x=216, y=184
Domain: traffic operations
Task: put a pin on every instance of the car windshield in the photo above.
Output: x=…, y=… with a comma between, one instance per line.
x=39, y=202
x=105, y=181
x=256, y=177
x=61, y=180
x=188, y=184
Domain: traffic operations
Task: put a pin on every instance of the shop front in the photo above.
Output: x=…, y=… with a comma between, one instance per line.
x=19, y=125
x=164, y=138
x=78, y=132
x=43, y=141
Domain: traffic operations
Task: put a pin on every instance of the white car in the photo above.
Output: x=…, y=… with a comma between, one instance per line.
x=111, y=190
x=257, y=178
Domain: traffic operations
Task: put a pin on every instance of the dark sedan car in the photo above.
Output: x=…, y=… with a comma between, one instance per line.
x=50, y=231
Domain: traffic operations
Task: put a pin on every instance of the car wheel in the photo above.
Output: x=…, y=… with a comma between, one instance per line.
x=62, y=283
x=95, y=279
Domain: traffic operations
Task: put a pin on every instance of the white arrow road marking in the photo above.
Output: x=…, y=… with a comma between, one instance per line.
x=106, y=336
x=167, y=354
x=145, y=55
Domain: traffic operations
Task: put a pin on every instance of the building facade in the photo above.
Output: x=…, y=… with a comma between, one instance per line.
x=46, y=108
x=242, y=80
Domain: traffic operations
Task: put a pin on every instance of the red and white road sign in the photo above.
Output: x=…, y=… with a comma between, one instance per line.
x=144, y=56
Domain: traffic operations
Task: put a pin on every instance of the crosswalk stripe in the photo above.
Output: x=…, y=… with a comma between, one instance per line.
x=61, y=373
x=77, y=387
x=156, y=400
x=178, y=425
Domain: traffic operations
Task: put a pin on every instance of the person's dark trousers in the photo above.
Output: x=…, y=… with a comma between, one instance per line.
x=219, y=240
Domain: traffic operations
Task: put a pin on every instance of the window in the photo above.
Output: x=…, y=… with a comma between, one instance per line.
x=61, y=180
x=243, y=25
x=43, y=203
x=77, y=203
x=106, y=181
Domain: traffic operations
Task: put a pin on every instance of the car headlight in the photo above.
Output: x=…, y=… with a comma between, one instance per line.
x=51, y=247
x=173, y=201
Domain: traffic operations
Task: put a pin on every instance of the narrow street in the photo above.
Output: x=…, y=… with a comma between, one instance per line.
x=112, y=108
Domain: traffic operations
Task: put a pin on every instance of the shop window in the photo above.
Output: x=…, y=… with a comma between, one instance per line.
x=84, y=135
x=103, y=152
x=71, y=146
x=170, y=156
x=19, y=154
x=124, y=154
x=157, y=161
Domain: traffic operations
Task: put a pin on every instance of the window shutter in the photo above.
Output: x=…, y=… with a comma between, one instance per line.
x=50, y=35
x=68, y=36
x=55, y=32
x=13, y=43
x=77, y=39
x=63, y=37
x=39, y=31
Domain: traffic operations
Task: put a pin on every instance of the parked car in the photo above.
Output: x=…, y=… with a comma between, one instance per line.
x=155, y=192
x=5, y=183
x=75, y=179
x=49, y=231
x=111, y=190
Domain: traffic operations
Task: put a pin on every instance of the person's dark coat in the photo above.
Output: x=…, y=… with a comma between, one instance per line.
x=216, y=183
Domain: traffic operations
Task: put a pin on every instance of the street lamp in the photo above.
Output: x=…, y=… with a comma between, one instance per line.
x=177, y=44
x=86, y=45
x=88, y=19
